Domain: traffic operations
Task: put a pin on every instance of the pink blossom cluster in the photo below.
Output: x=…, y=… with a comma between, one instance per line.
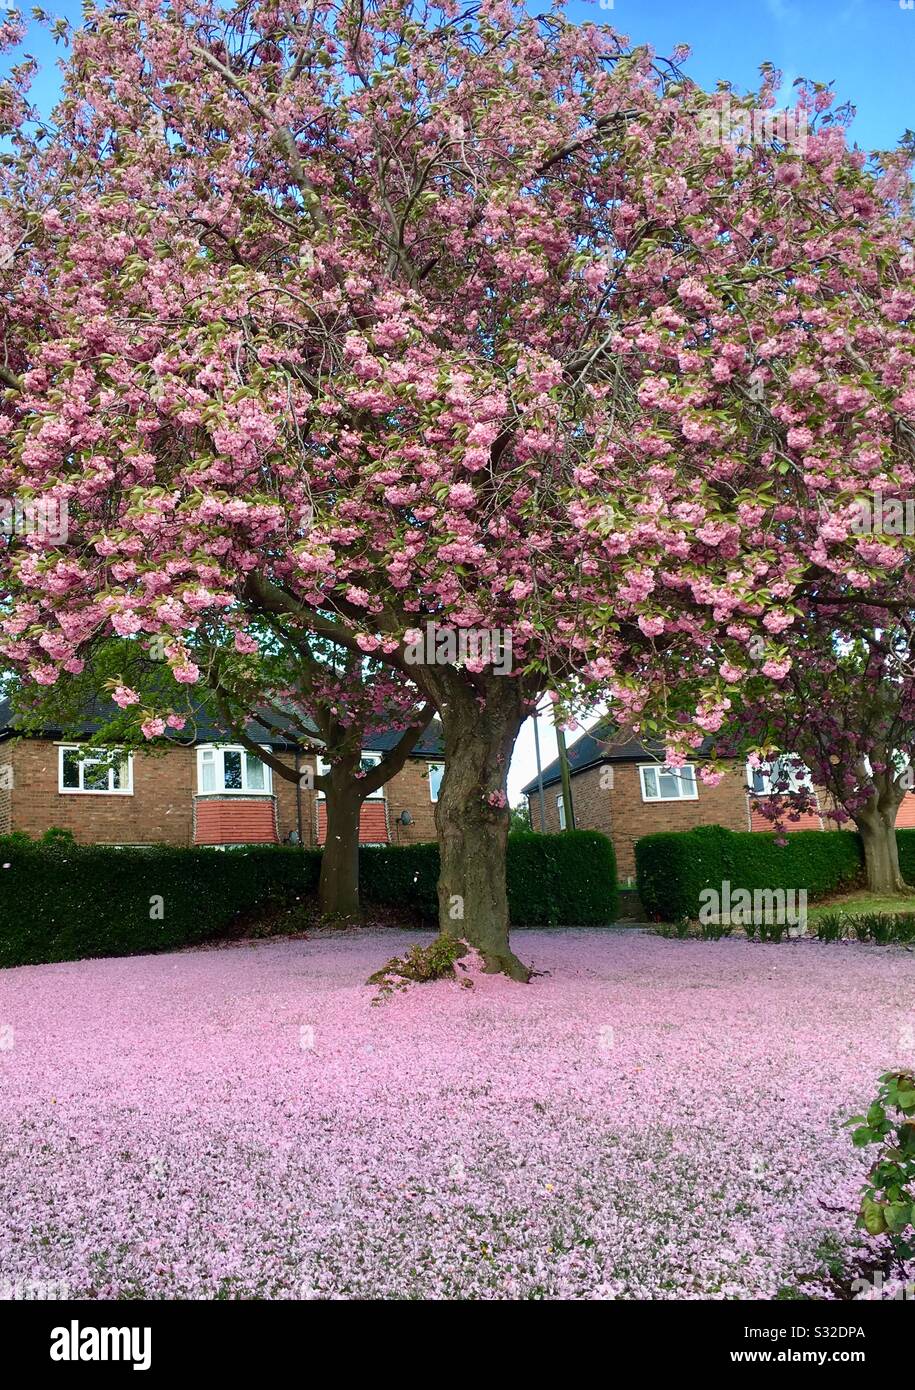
x=218, y=359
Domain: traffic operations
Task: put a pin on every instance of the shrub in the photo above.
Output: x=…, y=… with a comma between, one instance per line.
x=61, y=901
x=905, y=843
x=420, y=964
x=401, y=875
x=888, y=1197
x=56, y=835
x=673, y=867
x=567, y=879
x=561, y=880
x=832, y=926
x=64, y=902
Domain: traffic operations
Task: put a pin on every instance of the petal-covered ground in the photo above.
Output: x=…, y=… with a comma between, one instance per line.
x=652, y=1118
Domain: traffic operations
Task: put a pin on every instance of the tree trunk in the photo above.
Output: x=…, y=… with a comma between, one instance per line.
x=472, y=819
x=338, y=885
x=881, y=853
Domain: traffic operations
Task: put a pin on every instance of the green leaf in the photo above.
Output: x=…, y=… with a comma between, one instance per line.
x=898, y=1215
x=873, y=1217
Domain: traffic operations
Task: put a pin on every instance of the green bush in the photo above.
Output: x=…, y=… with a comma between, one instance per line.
x=673, y=867
x=905, y=843
x=567, y=879
x=888, y=1196
x=64, y=902
x=401, y=876
x=60, y=901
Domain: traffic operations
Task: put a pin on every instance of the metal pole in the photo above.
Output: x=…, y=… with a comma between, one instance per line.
x=539, y=772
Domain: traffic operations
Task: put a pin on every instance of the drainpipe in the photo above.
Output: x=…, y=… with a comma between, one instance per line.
x=566, y=779
x=298, y=796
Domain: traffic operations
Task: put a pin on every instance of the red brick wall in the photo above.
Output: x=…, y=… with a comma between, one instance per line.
x=235, y=820
x=621, y=812
x=409, y=791
x=161, y=807
x=6, y=789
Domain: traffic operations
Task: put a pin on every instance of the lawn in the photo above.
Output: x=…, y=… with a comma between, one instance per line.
x=650, y=1119
x=859, y=902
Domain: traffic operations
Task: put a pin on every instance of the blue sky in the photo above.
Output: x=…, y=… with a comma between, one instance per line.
x=866, y=47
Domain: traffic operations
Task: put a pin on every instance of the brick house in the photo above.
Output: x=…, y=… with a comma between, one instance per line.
x=204, y=790
x=620, y=786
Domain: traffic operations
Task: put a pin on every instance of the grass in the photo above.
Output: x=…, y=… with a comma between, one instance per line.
x=861, y=901
x=855, y=903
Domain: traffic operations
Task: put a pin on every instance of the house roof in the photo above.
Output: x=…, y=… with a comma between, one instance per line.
x=207, y=730
x=604, y=742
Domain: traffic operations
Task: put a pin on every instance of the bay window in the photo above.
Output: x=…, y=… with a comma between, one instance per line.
x=227, y=769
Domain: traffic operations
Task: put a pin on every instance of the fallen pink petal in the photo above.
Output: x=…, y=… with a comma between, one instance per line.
x=651, y=1119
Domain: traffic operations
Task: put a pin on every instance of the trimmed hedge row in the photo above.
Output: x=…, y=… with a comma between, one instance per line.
x=567, y=879
x=60, y=901
x=67, y=902
x=673, y=867
x=905, y=844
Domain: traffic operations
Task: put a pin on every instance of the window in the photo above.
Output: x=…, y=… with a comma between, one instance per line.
x=436, y=773
x=110, y=774
x=231, y=770
x=784, y=774
x=366, y=763
x=561, y=811
x=668, y=783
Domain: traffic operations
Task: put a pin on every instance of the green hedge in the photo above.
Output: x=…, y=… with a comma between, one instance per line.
x=401, y=875
x=673, y=867
x=567, y=879
x=63, y=902
x=905, y=841
x=60, y=901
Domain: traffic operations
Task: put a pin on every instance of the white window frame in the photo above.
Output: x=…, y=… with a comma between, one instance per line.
x=322, y=767
x=657, y=768
x=217, y=751
x=81, y=790
x=798, y=780
x=561, y=811
x=433, y=795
